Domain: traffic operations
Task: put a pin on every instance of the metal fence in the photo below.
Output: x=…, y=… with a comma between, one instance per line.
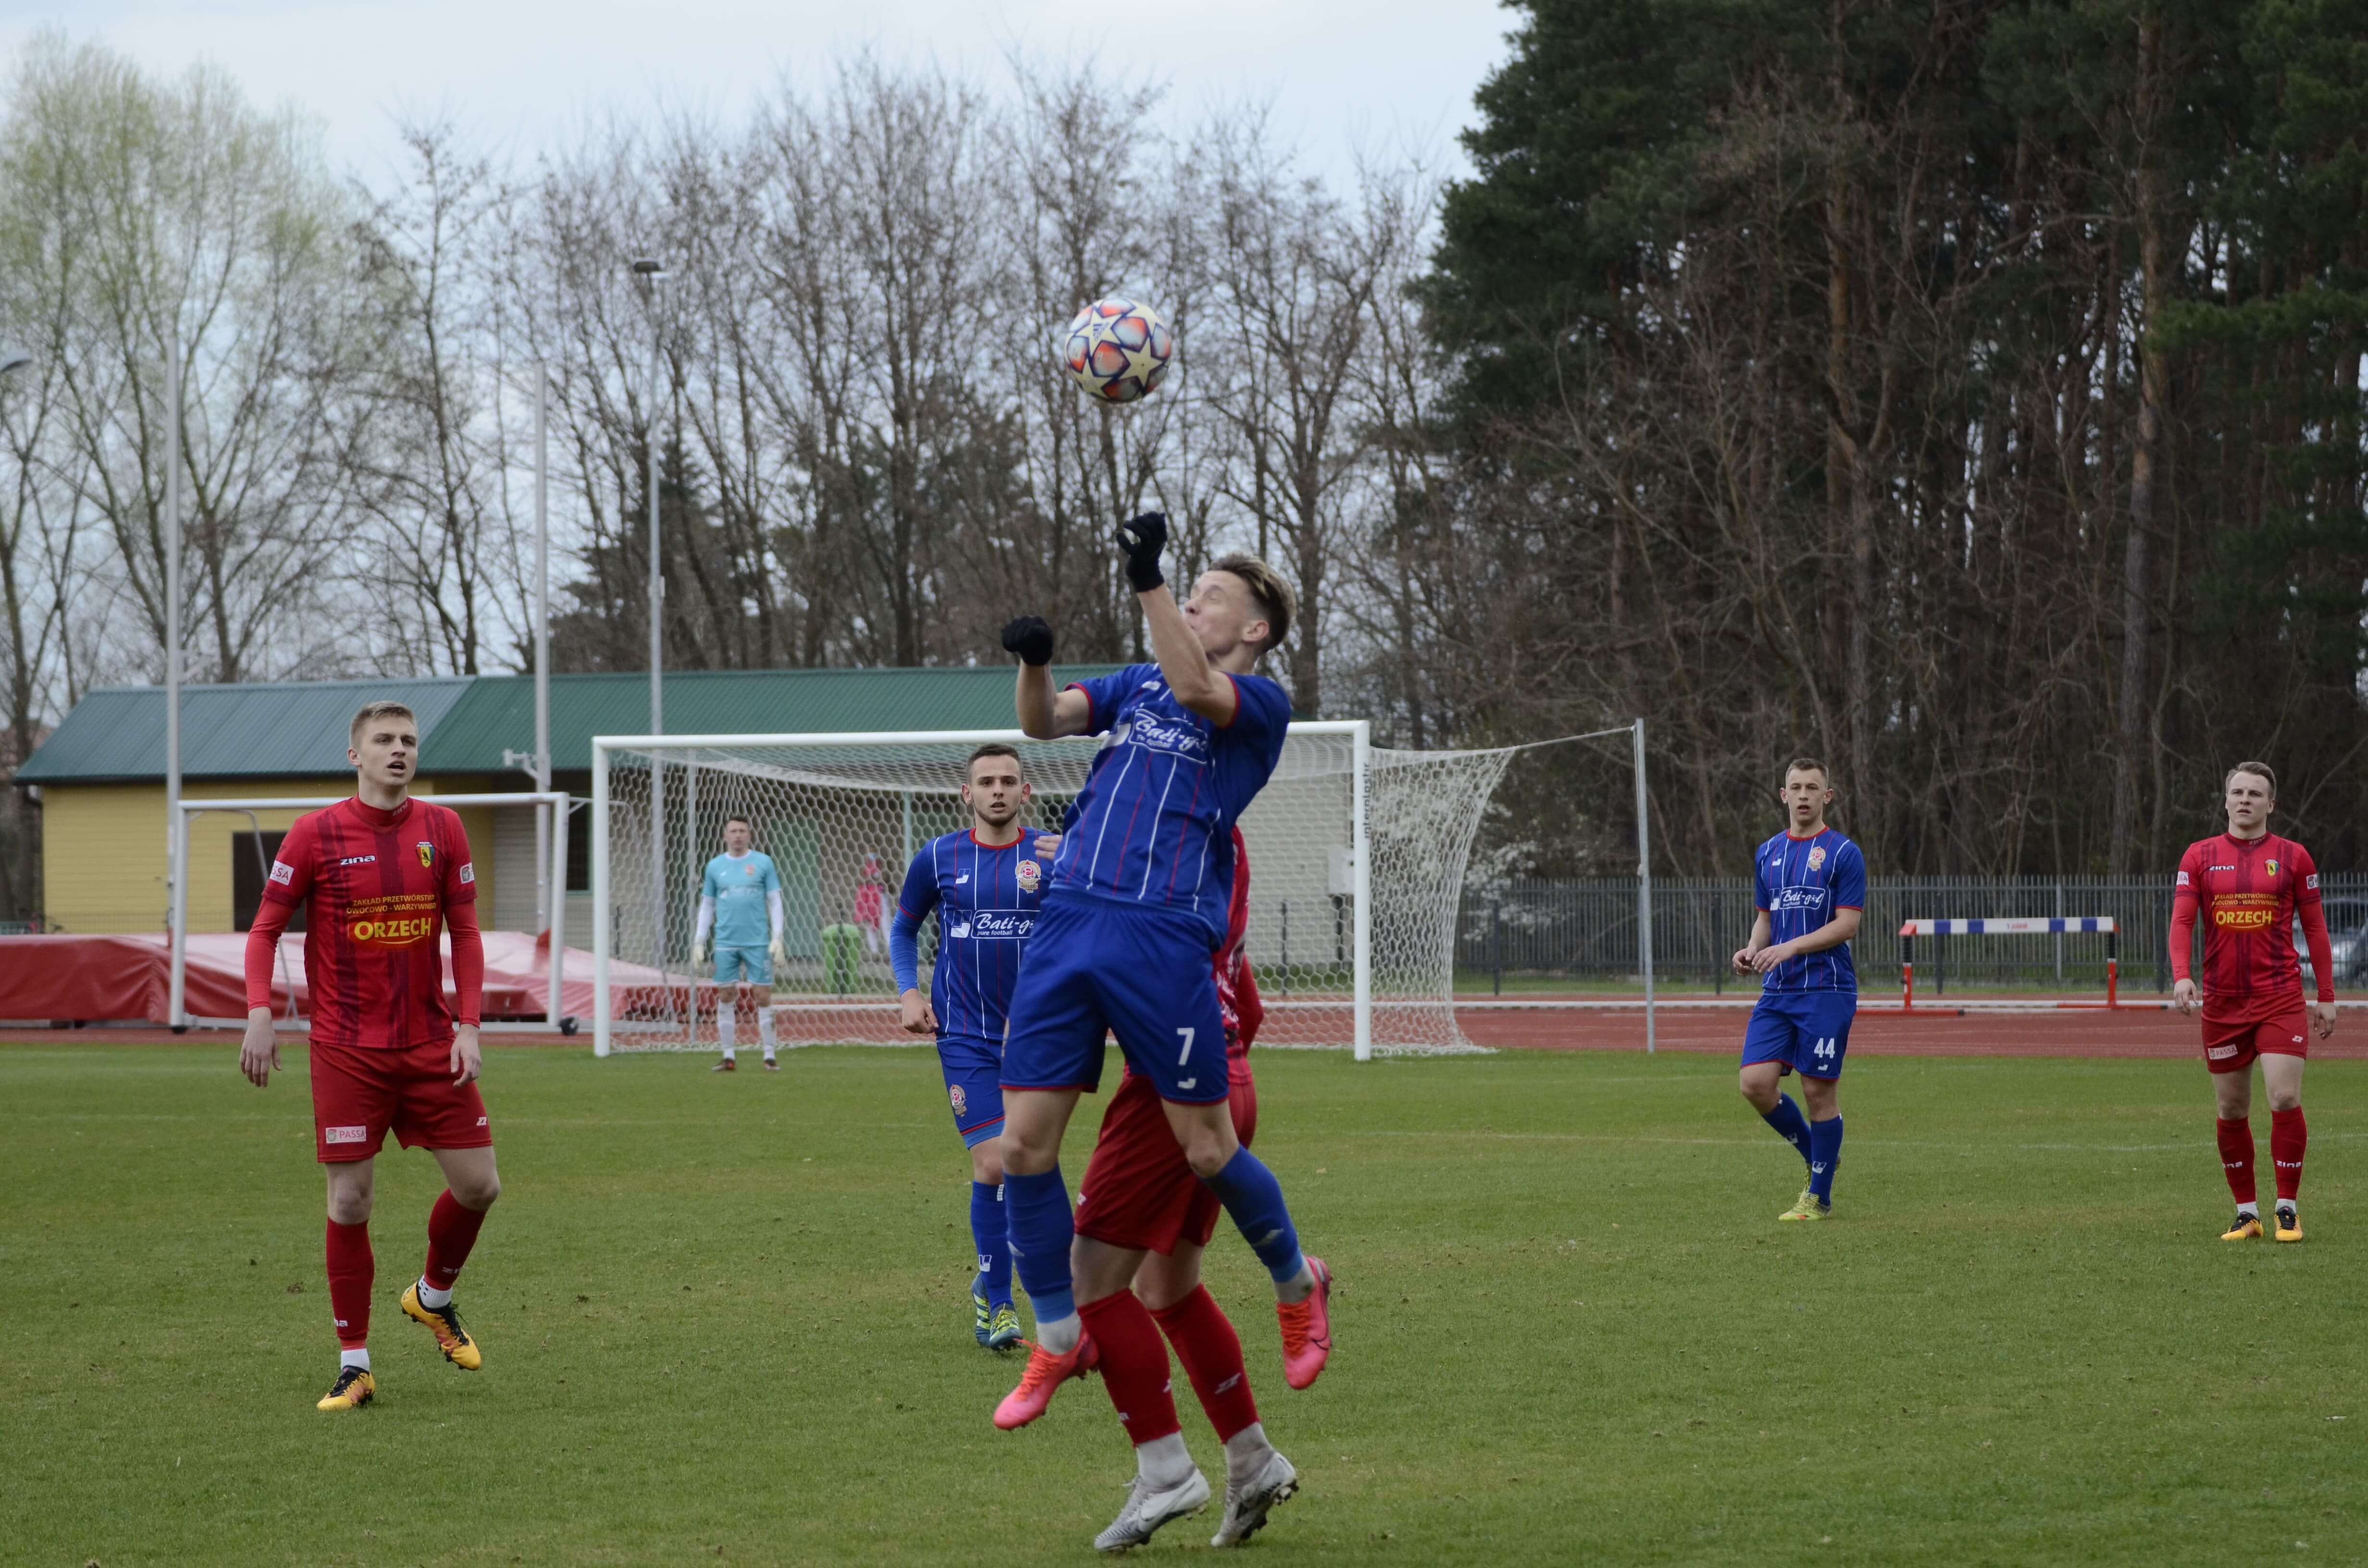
x=1586, y=930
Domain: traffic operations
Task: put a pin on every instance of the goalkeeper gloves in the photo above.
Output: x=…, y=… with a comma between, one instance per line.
x=1030, y=638
x=1140, y=538
x=701, y=950
x=779, y=953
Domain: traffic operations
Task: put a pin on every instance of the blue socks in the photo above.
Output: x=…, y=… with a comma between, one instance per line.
x=1825, y=1154
x=986, y=1232
x=1793, y=1127
x=1036, y=1212
x=1254, y=1199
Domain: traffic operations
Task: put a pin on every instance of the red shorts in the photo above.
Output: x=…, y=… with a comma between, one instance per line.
x=359, y=1093
x=2230, y=1047
x=1138, y=1192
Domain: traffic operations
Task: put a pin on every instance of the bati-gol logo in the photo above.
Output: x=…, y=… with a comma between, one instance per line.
x=1817, y=855
x=961, y=1101
x=1030, y=874
x=427, y=853
x=2271, y=867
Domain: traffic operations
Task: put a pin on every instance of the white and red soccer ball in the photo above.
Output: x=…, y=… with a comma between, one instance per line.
x=1117, y=350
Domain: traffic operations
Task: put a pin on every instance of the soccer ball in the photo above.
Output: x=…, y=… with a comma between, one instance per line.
x=1117, y=350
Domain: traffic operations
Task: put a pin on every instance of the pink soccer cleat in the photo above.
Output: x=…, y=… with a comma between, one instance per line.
x=1308, y=1329
x=1044, y=1373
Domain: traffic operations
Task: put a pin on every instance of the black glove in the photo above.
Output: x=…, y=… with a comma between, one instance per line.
x=1030, y=638
x=1142, y=539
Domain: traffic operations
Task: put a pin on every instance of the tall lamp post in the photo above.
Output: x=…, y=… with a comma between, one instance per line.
x=648, y=273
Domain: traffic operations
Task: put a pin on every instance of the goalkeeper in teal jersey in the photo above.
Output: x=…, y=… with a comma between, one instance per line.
x=740, y=908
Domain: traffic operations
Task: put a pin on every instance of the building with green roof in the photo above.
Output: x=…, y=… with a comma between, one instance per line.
x=100, y=775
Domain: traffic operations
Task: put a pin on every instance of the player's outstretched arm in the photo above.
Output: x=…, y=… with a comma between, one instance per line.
x=1044, y=715
x=1183, y=663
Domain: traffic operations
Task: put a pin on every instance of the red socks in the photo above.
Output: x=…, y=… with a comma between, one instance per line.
x=452, y=1232
x=1212, y=1353
x=2236, y=1156
x=2289, y=1136
x=351, y=1271
x=1134, y=1366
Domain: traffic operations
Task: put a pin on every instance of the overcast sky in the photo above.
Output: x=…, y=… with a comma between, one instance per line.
x=1392, y=74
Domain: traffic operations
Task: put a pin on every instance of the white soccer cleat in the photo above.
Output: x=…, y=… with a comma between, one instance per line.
x=1146, y=1510
x=1248, y=1506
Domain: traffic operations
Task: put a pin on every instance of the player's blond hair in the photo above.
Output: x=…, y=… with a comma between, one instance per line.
x=1809, y=765
x=2258, y=770
x=1268, y=592
x=383, y=709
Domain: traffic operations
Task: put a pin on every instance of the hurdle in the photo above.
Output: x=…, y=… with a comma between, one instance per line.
x=2034, y=925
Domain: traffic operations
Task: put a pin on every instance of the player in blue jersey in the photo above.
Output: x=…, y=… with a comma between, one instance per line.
x=1137, y=906
x=1811, y=885
x=985, y=881
x=740, y=907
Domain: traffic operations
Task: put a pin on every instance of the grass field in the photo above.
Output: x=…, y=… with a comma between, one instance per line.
x=726, y=1317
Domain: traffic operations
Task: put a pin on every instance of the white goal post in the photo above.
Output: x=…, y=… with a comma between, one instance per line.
x=1356, y=851
x=549, y=850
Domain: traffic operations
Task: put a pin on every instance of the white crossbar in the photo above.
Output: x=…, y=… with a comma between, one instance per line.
x=2017, y=926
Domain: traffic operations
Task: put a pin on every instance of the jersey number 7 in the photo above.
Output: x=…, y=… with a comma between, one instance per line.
x=1184, y=1055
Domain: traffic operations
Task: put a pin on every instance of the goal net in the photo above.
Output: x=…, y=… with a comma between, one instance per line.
x=1356, y=853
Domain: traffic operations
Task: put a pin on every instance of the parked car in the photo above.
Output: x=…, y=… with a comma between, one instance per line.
x=2346, y=933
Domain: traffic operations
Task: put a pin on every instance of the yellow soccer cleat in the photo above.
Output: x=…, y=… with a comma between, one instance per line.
x=444, y=1321
x=354, y=1388
x=2289, y=1226
x=1806, y=1206
x=2247, y=1228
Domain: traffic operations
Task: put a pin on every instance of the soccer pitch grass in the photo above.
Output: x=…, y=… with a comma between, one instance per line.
x=727, y=1315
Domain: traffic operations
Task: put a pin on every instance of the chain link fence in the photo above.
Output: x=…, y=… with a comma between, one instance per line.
x=1522, y=934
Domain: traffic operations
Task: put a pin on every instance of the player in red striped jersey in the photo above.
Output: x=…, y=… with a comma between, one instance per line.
x=380, y=876
x=2250, y=886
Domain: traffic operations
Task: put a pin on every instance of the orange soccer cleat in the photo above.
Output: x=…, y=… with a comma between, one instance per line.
x=1044, y=1373
x=1308, y=1329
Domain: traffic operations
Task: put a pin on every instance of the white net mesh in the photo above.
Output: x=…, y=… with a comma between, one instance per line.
x=820, y=808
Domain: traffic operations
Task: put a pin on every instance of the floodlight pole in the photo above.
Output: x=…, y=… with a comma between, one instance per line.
x=548, y=896
x=651, y=271
x=1645, y=886
x=177, y=855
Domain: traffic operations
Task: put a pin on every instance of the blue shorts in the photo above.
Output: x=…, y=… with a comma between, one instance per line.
x=973, y=1074
x=1806, y=1031
x=733, y=965
x=1093, y=968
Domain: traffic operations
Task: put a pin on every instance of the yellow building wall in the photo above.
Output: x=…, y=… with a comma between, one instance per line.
x=104, y=851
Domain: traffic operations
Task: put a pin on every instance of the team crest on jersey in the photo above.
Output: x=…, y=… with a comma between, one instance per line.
x=2271, y=867
x=1817, y=855
x=1029, y=874
x=961, y=1101
x=427, y=853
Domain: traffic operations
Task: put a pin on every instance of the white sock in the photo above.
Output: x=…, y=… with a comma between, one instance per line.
x=354, y=1359
x=1164, y=1461
x=2253, y=1209
x=1061, y=1336
x=1298, y=1288
x=726, y=1027
x=764, y=1030
x=429, y=1296
x=1247, y=1451
x=2287, y=1206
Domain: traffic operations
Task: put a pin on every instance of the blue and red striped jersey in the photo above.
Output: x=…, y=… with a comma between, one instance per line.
x=1799, y=882
x=986, y=897
x=1154, y=822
